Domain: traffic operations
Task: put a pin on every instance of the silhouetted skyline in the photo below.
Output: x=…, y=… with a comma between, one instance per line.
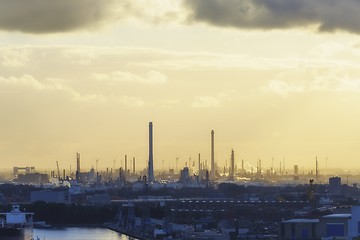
x=278, y=82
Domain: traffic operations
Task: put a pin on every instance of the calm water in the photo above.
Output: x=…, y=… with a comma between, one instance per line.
x=78, y=234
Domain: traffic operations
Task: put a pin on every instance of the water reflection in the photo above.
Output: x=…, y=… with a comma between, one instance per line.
x=78, y=234
x=68, y=234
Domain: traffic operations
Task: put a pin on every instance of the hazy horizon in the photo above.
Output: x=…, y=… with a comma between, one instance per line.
x=274, y=79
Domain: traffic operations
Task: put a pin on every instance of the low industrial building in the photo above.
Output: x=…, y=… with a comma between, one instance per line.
x=32, y=178
x=99, y=199
x=50, y=196
x=333, y=226
x=300, y=229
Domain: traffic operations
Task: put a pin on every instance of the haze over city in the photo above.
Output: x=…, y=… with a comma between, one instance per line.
x=88, y=76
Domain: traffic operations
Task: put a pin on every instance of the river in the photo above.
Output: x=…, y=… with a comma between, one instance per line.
x=78, y=234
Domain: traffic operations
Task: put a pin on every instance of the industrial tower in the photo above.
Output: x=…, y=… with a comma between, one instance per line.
x=316, y=169
x=199, y=163
x=151, y=177
x=212, y=155
x=77, y=166
x=232, y=167
x=134, y=165
x=126, y=166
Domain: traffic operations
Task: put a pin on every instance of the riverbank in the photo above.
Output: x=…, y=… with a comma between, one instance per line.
x=81, y=233
x=109, y=226
x=115, y=228
x=59, y=226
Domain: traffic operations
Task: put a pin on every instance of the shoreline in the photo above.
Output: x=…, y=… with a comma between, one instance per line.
x=119, y=230
x=111, y=227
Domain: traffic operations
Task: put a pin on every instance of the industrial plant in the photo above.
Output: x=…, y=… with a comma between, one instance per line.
x=198, y=201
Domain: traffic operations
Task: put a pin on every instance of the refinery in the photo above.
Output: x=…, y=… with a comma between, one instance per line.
x=200, y=200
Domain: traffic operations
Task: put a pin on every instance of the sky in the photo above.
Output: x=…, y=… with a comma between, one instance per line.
x=273, y=78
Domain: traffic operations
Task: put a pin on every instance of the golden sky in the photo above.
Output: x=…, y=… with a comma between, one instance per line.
x=273, y=78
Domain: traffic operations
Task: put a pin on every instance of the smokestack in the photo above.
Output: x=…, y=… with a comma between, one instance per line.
x=260, y=166
x=212, y=155
x=242, y=164
x=317, y=169
x=284, y=171
x=133, y=165
x=77, y=166
x=232, y=172
x=151, y=177
x=199, y=162
x=126, y=169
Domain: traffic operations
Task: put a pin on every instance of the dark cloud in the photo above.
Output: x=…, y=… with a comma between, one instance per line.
x=327, y=15
x=47, y=16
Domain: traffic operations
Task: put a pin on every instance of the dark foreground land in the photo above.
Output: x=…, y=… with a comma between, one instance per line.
x=260, y=209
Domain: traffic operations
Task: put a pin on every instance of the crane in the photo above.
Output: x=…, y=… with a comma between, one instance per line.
x=58, y=170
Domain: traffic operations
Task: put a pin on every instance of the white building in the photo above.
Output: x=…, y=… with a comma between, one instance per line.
x=334, y=226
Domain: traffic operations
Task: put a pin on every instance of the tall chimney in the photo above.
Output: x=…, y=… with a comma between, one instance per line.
x=212, y=155
x=126, y=168
x=284, y=172
x=134, y=165
x=151, y=177
x=317, y=170
x=199, y=163
x=77, y=166
x=260, y=166
x=232, y=165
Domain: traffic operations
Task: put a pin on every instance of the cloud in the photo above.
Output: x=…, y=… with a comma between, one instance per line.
x=49, y=84
x=141, y=62
x=151, y=77
x=131, y=101
x=169, y=103
x=28, y=81
x=57, y=16
x=283, y=88
x=156, y=11
x=57, y=85
x=331, y=81
x=326, y=15
x=205, y=102
x=49, y=16
x=214, y=101
x=14, y=57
